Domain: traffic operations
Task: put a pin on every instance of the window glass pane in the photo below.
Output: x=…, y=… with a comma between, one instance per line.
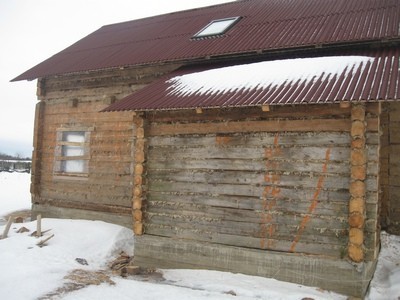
x=73, y=166
x=72, y=151
x=74, y=136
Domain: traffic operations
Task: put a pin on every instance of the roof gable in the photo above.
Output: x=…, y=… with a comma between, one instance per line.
x=264, y=26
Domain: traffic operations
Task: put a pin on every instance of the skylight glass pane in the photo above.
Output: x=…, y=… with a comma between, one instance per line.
x=217, y=27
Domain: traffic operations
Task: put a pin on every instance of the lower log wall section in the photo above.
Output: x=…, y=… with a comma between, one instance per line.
x=286, y=190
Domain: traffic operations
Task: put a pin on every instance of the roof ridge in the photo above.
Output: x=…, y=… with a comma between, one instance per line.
x=173, y=13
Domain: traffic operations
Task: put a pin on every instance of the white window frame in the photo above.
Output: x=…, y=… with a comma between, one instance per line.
x=217, y=27
x=72, y=154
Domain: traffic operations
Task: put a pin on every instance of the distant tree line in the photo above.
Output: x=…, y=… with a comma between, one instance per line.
x=17, y=156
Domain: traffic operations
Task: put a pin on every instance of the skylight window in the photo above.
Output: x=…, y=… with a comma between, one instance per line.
x=217, y=27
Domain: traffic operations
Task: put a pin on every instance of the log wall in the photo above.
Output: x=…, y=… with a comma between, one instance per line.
x=390, y=167
x=105, y=193
x=276, y=180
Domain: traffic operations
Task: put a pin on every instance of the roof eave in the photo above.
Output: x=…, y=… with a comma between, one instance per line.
x=254, y=54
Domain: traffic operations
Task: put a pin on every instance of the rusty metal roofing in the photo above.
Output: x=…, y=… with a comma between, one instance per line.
x=265, y=25
x=329, y=79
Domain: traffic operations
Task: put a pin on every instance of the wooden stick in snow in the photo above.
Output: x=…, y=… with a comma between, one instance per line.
x=7, y=228
x=42, y=242
x=39, y=226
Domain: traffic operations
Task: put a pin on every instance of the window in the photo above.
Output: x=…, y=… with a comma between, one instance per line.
x=217, y=27
x=72, y=152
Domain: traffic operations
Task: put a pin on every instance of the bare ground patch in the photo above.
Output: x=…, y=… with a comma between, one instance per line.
x=79, y=279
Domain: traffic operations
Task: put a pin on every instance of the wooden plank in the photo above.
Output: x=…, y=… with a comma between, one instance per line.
x=7, y=228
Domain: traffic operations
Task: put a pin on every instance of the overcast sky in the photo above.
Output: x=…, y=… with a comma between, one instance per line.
x=31, y=31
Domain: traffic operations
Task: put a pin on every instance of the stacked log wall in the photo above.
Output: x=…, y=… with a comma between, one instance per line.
x=276, y=180
x=75, y=101
x=391, y=162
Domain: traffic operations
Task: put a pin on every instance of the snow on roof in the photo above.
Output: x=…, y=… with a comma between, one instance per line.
x=366, y=76
x=263, y=75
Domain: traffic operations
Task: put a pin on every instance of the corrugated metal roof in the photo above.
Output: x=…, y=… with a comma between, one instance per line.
x=361, y=77
x=265, y=25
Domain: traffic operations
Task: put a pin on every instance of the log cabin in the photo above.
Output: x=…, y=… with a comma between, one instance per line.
x=259, y=137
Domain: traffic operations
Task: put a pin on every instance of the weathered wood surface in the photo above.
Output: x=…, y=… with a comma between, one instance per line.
x=7, y=228
x=284, y=111
x=254, y=190
x=51, y=210
x=316, y=125
x=390, y=180
x=99, y=84
x=107, y=187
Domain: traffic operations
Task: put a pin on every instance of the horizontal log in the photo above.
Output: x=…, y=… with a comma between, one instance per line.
x=110, y=196
x=123, y=210
x=249, y=178
x=255, y=165
x=300, y=111
x=301, y=203
x=251, y=126
x=260, y=139
x=248, y=242
x=277, y=231
x=290, y=153
x=248, y=165
x=269, y=177
x=283, y=205
x=313, y=125
x=248, y=216
x=55, y=121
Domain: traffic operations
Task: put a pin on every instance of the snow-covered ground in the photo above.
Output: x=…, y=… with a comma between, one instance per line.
x=32, y=272
x=14, y=192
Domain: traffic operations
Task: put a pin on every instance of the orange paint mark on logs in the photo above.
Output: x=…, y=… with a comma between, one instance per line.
x=270, y=194
x=313, y=204
x=222, y=140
